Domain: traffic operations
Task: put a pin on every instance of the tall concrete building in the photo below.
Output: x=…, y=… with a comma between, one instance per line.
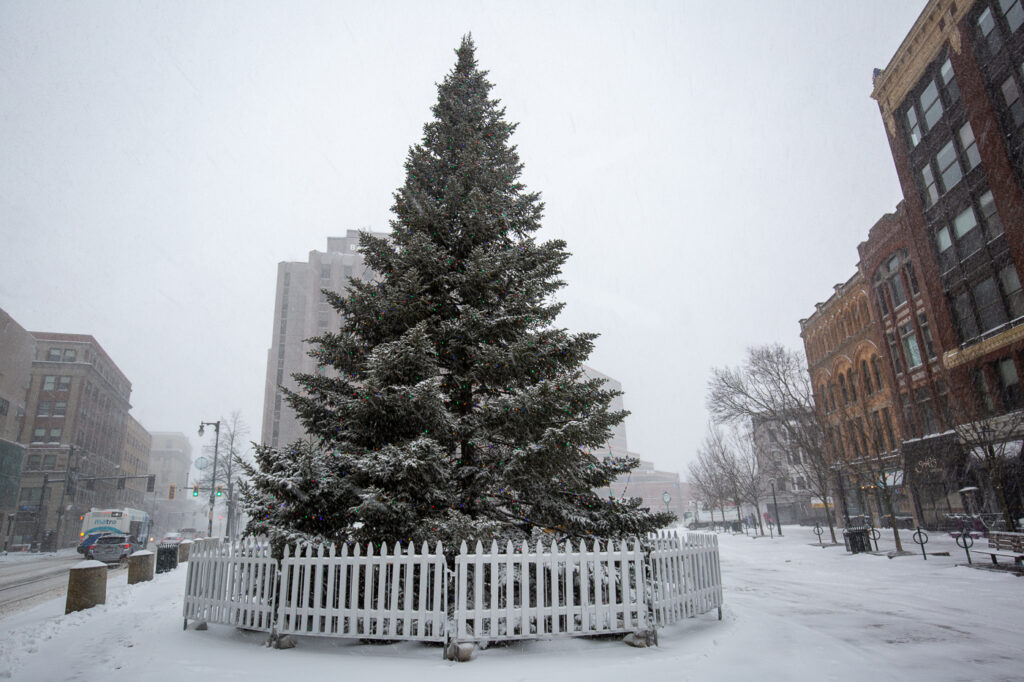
x=301, y=311
x=134, y=463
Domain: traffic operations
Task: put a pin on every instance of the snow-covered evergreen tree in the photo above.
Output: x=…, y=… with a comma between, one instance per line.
x=457, y=410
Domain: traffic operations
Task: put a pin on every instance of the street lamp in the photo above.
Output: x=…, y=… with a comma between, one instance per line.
x=213, y=479
x=666, y=498
x=775, y=502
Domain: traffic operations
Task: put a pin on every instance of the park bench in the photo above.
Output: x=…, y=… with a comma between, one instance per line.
x=1003, y=544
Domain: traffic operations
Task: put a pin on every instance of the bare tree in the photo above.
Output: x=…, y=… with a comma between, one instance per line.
x=708, y=482
x=748, y=471
x=773, y=384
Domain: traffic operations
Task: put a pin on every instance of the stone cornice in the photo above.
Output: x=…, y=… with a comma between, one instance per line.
x=937, y=24
x=955, y=358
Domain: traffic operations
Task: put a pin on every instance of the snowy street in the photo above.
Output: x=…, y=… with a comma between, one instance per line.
x=793, y=612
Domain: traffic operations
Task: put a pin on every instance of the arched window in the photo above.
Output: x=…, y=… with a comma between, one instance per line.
x=842, y=389
x=876, y=367
x=888, y=280
x=853, y=388
x=866, y=377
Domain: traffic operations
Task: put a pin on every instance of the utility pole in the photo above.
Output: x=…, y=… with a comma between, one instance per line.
x=63, y=492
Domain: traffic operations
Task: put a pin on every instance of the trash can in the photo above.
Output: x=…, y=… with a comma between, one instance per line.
x=857, y=539
x=166, y=558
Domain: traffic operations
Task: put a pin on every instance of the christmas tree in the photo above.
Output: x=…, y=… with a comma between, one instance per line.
x=455, y=409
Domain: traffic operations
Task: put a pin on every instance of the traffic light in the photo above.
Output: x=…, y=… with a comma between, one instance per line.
x=120, y=483
x=151, y=483
x=195, y=490
x=220, y=490
x=170, y=492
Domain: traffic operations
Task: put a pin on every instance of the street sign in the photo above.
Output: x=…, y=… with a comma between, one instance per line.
x=202, y=462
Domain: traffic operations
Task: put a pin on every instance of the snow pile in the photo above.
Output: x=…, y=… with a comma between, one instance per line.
x=793, y=612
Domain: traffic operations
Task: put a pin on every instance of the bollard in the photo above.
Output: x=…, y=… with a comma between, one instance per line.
x=184, y=549
x=87, y=585
x=140, y=566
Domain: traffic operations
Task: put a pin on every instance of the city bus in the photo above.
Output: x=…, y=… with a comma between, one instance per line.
x=134, y=522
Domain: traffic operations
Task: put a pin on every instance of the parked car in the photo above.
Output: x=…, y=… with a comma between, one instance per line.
x=111, y=549
x=83, y=546
x=171, y=539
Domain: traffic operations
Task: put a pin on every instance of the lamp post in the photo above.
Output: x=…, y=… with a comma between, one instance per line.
x=666, y=498
x=213, y=479
x=775, y=503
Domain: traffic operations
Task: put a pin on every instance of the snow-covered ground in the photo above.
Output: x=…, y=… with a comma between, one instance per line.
x=793, y=612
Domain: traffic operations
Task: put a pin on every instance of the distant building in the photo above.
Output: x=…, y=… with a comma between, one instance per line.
x=170, y=458
x=301, y=311
x=135, y=463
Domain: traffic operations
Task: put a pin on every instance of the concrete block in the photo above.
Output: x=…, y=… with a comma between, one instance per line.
x=87, y=586
x=140, y=566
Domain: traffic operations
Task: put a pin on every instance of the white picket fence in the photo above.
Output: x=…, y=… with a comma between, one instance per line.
x=548, y=592
x=686, y=576
x=231, y=584
x=519, y=593
x=375, y=595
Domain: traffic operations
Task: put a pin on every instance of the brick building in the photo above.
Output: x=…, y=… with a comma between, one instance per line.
x=853, y=392
x=953, y=110
x=75, y=428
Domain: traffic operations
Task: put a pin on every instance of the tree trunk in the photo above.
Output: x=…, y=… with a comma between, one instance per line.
x=828, y=517
x=995, y=469
x=760, y=519
x=892, y=520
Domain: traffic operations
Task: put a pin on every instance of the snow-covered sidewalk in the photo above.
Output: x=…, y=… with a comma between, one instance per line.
x=793, y=612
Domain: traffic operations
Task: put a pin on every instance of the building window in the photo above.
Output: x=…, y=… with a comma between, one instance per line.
x=913, y=127
x=967, y=232
x=983, y=393
x=944, y=245
x=49, y=462
x=876, y=367
x=926, y=334
x=963, y=311
x=60, y=408
x=5, y=406
x=1013, y=13
x=39, y=436
x=53, y=355
x=49, y=382
x=972, y=157
x=33, y=462
x=1012, y=290
x=43, y=409
x=63, y=383
x=925, y=411
x=325, y=271
x=866, y=377
x=931, y=106
x=894, y=352
x=842, y=389
x=853, y=388
x=991, y=312
x=993, y=225
x=931, y=190
x=910, y=347
x=949, y=166
x=888, y=428
x=949, y=84
x=1009, y=383
x=54, y=436
x=70, y=355
x=987, y=26
x=1011, y=93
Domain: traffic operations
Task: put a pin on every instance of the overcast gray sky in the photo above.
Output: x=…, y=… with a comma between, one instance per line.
x=712, y=167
